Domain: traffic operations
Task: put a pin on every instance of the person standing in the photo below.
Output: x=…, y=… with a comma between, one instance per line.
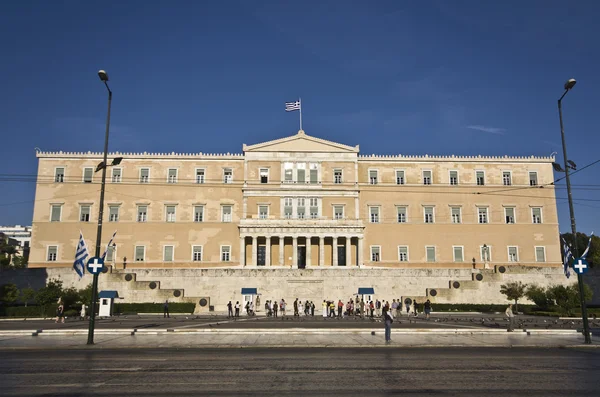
x=237, y=309
x=83, y=314
x=296, y=308
x=229, y=310
x=283, y=306
x=378, y=308
x=275, y=307
x=415, y=308
x=251, y=308
x=511, y=318
x=407, y=303
x=312, y=308
x=362, y=308
x=398, y=313
x=427, y=308
x=325, y=308
x=340, y=308
x=372, y=307
x=389, y=319
x=166, y=309
x=60, y=313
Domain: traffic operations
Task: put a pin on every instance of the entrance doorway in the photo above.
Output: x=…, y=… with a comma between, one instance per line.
x=301, y=257
x=341, y=255
x=261, y=255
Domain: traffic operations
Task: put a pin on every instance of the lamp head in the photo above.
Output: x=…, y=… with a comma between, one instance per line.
x=570, y=84
x=117, y=161
x=104, y=76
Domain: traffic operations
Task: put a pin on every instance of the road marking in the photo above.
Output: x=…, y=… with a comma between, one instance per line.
x=218, y=322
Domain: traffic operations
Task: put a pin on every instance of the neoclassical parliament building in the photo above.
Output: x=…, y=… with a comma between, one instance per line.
x=299, y=203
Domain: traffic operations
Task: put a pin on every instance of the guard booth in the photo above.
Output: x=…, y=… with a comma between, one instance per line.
x=107, y=301
x=366, y=294
x=250, y=295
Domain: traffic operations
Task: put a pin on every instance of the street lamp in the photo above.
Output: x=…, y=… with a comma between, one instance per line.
x=571, y=165
x=90, y=341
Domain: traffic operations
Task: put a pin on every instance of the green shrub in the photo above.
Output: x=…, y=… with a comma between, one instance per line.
x=540, y=297
x=121, y=308
x=467, y=307
x=28, y=311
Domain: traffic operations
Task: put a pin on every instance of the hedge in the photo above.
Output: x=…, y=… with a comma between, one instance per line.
x=29, y=311
x=466, y=307
x=121, y=308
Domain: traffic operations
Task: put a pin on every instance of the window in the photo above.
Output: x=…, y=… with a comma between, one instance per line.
x=227, y=175
x=144, y=175
x=480, y=177
x=401, y=214
x=170, y=213
x=142, y=213
x=482, y=213
x=373, y=177
x=314, y=208
x=287, y=208
x=337, y=176
x=428, y=212
x=196, y=253
x=52, y=253
x=263, y=211
x=454, y=177
x=458, y=254
x=140, y=253
x=375, y=253
x=226, y=213
x=374, y=214
x=533, y=181
x=399, y=177
x=455, y=214
x=403, y=253
x=427, y=177
x=172, y=175
x=113, y=213
x=300, y=172
x=111, y=253
x=509, y=215
x=84, y=213
x=168, y=253
x=264, y=175
x=116, y=175
x=199, y=175
x=288, y=169
x=88, y=174
x=506, y=178
x=486, y=253
x=430, y=253
x=59, y=175
x=225, y=253
x=314, y=173
x=513, y=254
x=198, y=213
x=338, y=212
x=540, y=254
x=301, y=208
x=55, y=212
x=536, y=214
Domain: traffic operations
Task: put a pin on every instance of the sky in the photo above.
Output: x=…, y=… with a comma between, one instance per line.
x=396, y=77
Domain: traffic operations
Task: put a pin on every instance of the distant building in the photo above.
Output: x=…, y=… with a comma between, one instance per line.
x=22, y=234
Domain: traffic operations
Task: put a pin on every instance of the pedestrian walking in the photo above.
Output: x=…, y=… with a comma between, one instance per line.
x=399, y=308
x=415, y=308
x=300, y=307
x=340, y=308
x=378, y=308
x=60, y=313
x=372, y=307
x=251, y=309
x=312, y=308
x=82, y=313
x=362, y=308
x=427, y=308
x=511, y=318
x=296, y=308
x=283, y=307
x=229, y=310
x=166, y=309
x=389, y=319
x=325, y=308
x=407, y=303
x=237, y=309
x=275, y=307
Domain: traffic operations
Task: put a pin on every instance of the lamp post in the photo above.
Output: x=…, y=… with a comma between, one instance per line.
x=586, y=328
x=90, y=341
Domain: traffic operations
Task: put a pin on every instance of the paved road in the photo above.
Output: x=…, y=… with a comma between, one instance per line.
x=301, y=372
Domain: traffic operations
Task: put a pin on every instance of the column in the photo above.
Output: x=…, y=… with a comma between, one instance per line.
x=243, y=251
x=254, y=250
x=348, y=251
x=359, y=262
x=295, y=252
x=335, y=253
x=308, y=251
x=268, y=252
x=281, y=241
x=321, y=250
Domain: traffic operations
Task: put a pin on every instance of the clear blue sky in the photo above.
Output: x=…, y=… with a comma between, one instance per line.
x=436, y=77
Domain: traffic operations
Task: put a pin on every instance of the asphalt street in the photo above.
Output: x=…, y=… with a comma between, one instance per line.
x=301, y=372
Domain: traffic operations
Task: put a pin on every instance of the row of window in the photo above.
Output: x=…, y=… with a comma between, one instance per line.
x=140, y=253
x=294, y=173
x=455, y=214
x=458, y=253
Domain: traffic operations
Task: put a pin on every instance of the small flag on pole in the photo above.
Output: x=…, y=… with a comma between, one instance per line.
x=567, y=257
x=108, y=245
x=81, y=255
x=291, y=106
x=584, y=255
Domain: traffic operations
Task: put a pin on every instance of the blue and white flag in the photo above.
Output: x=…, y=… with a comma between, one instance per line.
x=81, y=256
x=108, y=245
x=588, y=246
x=567, y=258
x=291, y=106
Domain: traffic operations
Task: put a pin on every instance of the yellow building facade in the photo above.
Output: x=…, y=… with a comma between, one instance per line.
x=298, y=202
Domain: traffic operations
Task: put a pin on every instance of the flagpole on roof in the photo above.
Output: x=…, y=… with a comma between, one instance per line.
x=300, y=101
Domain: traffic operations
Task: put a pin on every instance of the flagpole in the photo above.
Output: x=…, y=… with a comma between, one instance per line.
x=300, y=100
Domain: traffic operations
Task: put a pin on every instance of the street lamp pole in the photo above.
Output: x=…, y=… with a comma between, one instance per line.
x=586, y=327
x=90, y=341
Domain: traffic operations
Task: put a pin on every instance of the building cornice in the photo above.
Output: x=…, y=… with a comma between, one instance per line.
x=474, y=159
x=144, y=155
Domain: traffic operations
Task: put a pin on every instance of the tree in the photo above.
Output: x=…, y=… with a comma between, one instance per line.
x=85, y=295
x=593, y=256
x=50, y=293
x=539, y=296
x=9, y=293
x=567, y=298
x=27, y=294
x=513, y=291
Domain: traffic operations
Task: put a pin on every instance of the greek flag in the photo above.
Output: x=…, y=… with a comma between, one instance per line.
x=108, y=245
x=81, y=256
x=291, y=106
x=584, y=255
x=567, y=258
